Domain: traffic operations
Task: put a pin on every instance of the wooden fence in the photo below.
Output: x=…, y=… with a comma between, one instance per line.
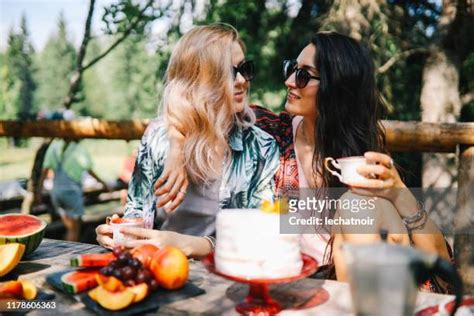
x=401, y=136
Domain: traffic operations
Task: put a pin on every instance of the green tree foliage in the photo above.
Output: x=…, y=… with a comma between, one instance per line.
x=16, y=72
x=134, y=80
x=129, y=81
x=55, y=65
x=97, y=86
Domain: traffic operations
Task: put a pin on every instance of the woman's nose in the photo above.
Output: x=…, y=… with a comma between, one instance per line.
x=290, y=81
x=239, y=79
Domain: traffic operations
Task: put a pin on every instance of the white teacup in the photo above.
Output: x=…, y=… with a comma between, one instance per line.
x=119, y=223
x=348, y=167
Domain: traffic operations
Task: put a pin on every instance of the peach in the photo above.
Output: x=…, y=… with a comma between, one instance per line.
x=144, y=253
x=11, y=289
x=29, y=290
x=110, y=283
x=170, y=267
x=93, y=293
x=140, y=291
x=114, y=301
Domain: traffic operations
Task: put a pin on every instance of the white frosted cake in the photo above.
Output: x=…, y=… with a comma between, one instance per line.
x=249, y=245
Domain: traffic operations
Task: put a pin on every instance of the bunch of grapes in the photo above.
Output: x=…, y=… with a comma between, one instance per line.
x=129, y=270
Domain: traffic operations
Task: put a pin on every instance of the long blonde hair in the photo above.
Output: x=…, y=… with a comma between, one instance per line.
x=198, y=97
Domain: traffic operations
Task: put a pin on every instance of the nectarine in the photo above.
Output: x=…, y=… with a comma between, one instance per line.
x=11, y=289
x=140, y=291
x=144, y=253
x=170, y=267
x=114, y=300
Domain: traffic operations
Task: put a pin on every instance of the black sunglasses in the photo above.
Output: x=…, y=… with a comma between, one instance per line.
x=246, y=69
x=302, y=76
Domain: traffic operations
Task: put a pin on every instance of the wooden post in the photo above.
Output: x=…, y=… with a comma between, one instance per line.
x=32, y=188
x=464, y=219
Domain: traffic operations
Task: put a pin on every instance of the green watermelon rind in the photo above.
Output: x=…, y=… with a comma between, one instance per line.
x=72, y=288
x=31, y=240
x=75, y=262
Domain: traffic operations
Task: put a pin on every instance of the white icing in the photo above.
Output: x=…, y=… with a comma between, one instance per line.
x=249, y=245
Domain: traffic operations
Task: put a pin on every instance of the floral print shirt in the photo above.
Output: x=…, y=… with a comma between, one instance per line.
x=247, y=179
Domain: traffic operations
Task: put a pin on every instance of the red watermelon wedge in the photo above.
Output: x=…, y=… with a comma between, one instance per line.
x=79, y=281
x=88, y=260
x=21, y=228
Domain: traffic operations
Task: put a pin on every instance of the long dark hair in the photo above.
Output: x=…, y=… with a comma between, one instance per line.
x=348, y=104
x=348, y=108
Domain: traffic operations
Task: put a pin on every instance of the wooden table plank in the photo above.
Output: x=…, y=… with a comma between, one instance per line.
x=220, y=298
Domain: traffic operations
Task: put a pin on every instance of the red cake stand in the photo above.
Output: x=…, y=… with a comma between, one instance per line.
x=258, y=300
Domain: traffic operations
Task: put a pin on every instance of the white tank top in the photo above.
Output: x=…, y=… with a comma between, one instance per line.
x=312, y=244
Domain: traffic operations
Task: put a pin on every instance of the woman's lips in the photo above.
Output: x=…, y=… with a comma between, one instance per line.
x=292, y=96
x=239, y=96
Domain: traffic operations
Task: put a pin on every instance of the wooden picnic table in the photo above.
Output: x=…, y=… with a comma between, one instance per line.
x=221, y=297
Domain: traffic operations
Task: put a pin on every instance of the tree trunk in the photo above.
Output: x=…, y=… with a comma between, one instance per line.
x=464, y=221
x=440, y=102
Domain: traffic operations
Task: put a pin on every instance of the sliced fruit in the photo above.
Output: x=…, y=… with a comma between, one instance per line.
x=21, y=228
x=101, y=279
x=122, y=220
x=92, y=260
x=110, y=283
x=93, y=293
x=11, y=289
x=114, y=301
x=29, y=290
x=170, y=267
x=140, y=291
x=10, y=256
x=79, y=281
x=144, y=253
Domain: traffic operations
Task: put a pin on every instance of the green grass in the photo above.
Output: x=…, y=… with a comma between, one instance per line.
x=107, y=155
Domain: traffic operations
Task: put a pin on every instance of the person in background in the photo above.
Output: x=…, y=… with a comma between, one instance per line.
x=68, y=160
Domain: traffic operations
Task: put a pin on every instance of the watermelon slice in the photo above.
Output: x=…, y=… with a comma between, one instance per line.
x=79, y=281
x=92, y=260
x=21, y=228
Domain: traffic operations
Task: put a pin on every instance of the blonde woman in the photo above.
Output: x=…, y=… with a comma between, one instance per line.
x=230, y=162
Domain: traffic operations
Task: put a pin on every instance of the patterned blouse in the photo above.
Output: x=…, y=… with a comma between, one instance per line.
x=280, y=127
x=247, y=179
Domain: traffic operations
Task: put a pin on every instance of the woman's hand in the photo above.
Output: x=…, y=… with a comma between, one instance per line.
x=105, y=234
x=191, y=246
x=381, y=177
x=171, y=186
